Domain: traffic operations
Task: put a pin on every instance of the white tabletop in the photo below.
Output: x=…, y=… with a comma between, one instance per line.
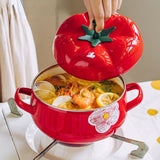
x=139, y=125
x=18, y=126
x=7, y=149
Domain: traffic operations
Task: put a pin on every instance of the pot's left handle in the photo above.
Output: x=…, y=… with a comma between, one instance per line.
x=27, y=91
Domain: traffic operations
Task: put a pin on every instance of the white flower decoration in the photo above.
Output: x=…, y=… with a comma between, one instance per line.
x=104, y=118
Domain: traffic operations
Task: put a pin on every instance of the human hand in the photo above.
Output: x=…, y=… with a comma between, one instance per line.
x=100, y=11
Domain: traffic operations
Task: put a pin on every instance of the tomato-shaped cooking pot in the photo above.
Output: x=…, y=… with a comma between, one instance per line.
x=94, y=56
x=77, y=126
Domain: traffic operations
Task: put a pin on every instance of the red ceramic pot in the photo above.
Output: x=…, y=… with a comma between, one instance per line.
x=77, y=126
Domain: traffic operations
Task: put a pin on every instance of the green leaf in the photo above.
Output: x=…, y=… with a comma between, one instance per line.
x=87, y=31
x=106, y=32
x=105, y=39
x=106, y=88
x=106, y=82
x=95, y=42
x=86, y=38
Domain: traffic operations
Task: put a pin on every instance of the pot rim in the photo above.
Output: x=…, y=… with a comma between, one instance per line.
x=71, y=110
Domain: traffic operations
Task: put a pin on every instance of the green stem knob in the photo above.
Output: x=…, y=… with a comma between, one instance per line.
x=94, y=37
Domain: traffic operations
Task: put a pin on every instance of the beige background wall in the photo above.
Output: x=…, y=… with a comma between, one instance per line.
x=45, y=16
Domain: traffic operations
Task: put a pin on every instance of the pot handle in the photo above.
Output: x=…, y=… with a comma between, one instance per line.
x=27, y=91
x=133, y=103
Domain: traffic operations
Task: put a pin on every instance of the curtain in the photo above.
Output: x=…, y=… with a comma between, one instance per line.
x=18, y=61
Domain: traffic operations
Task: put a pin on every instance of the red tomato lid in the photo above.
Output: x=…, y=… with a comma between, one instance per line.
x=97, y=56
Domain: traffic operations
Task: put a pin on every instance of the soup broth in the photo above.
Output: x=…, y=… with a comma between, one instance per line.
x=68, y=92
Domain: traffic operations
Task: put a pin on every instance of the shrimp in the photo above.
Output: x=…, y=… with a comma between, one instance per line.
x=84, y=99
x=74, y=88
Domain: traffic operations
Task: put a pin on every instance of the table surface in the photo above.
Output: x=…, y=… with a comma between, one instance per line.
x=6, y=145
x=142, y=123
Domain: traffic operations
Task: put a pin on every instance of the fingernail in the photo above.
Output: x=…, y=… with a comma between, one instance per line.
x=106, y=18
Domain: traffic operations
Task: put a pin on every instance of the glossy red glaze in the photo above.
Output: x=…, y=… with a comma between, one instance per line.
x=72, y=126
x=106, y=60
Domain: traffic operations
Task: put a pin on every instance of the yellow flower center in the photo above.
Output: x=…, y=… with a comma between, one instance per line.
x=152, y=112
x=106, y=115
x=158, y=139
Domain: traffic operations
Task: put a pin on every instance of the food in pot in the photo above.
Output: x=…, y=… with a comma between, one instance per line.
x=68, y=92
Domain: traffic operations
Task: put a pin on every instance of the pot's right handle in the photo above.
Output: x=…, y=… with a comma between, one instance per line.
x=133, y=103
x=19, y=101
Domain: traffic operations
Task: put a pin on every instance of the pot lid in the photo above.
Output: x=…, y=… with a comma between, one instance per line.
x=94, y=56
